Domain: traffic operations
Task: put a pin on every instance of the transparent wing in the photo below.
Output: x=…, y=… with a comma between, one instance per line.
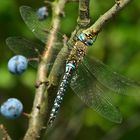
x=33, y=51
x=110, y=79
x=39, y=28
x=30, y=18
x=20, y=45
x=86, y=86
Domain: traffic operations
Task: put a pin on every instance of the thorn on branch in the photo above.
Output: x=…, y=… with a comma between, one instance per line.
x=38, y=83
x=38, y=137
x=33, y=59
x=62, y=14
x=38, y=107
x=44, y=128
x=48, y=2
x=65, y=39
x=27, y=115
x=118, y=2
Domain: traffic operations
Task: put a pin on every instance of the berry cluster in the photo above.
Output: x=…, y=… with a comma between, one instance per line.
x=12, y=108
x=17, y=65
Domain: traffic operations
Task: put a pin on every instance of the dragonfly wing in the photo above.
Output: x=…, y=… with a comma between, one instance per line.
x=110, y=79
x=30, y=18
x=85, y=85
x=20, y=45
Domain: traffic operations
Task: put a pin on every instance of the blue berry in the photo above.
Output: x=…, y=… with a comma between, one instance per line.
x=17, y=64
x=11, y=109
x=42, y=13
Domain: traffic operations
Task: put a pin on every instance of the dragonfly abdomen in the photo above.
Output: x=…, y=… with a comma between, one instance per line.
x=62, y=88
x=75, y=57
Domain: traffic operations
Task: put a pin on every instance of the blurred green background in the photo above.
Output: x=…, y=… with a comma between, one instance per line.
x=118, y=45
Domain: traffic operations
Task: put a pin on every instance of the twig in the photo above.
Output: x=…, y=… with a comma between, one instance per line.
x=99, y=24
x=3, y=133
x=57, y=69
x=39, y=110
x=83, y=8
x=83, y=19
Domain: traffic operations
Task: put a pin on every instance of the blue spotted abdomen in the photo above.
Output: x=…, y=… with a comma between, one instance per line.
x=62, y=88
x=75, y=57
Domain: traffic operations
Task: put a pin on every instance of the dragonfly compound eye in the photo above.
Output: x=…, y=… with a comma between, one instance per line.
x=82, y=37
x=87, y=39
x=89, y=42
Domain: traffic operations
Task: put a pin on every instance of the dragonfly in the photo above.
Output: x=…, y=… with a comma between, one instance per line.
x=88, y=77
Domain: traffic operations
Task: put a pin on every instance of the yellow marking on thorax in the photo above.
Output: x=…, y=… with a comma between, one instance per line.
x=77, y=53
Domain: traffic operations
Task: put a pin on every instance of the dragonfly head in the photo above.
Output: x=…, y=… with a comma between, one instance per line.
x=87, y=39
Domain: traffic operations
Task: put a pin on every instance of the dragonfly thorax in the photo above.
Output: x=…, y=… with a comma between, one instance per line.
x=77, y=53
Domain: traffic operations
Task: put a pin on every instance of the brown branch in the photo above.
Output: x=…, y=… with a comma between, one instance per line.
x=3, y=133
x=58, y=67
x=39, y=110
x=99, y=24
x=83, y=19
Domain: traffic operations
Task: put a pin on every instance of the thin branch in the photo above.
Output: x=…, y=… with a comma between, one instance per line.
x=99, y=24
x=4, y=134
x=57, y=69
x=83, y=19
x=39, y=110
